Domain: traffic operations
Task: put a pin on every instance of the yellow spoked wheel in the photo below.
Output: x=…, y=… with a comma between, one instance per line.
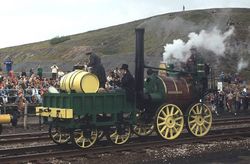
x=199, y=120
x=84, y=138
x=169, y=121
x=119, y=134
x=59, y=135
x=143, y=129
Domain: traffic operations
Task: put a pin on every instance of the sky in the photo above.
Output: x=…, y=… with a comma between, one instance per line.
x=28, y=21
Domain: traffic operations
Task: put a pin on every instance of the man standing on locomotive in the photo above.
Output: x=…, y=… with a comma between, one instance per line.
x=127, y=82
x=96, y=66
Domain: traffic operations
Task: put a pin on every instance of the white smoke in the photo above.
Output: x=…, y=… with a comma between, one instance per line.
x=241, y=65
x=210, y=40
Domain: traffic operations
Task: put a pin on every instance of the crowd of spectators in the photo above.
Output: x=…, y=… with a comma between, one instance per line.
x=233, y=97
x=22, y=87
x=113, y=79
x=32, y=86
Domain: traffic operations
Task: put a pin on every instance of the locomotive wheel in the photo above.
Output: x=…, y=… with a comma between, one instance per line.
x=143, y=126
x=169, y=121
x=100, y=134
x=84, y=138
x=58, y=134
x=199, y=120
x=119, y=134
x=142, y=130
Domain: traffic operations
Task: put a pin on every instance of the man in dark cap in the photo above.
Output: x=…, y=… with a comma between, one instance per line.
x=128, y=82
x=96, y=67
x=93, y=58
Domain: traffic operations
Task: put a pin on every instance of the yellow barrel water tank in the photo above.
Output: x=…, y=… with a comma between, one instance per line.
x=62, y=87
x=5, y=118
x=80, y=81
x=65, y=82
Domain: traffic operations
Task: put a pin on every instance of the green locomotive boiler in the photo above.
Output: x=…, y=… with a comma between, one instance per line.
x=164, y=102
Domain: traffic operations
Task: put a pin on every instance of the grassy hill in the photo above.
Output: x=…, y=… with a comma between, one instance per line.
x=116, y=44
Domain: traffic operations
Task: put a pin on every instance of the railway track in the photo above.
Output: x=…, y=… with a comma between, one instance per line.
x=23, y=137
x=226, y=121
x=135, y=145
x=43, y=136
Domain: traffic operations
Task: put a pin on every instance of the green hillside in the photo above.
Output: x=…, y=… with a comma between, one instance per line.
x=116, y=44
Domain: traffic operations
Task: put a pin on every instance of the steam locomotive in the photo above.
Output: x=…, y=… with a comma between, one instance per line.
x=163, y=103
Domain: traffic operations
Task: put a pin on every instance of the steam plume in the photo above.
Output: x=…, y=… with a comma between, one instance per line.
x=209, y=40
x=241, y=65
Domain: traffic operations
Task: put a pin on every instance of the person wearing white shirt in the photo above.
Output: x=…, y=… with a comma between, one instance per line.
x=54, y=70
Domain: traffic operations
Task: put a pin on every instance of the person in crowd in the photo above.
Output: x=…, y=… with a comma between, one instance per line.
x=23, y=73
x=127, y=82
x=229, y=102
x=60, y=74
x=245, y=99
x=117, y=80
x=1, y=80
x=222, y=76
x=3, y=95
x=117, y=71
x=8, y=64
x=212, y=100
x=221, y=97
x=36, y=97
x=95, y=66
x=113, y=80
x=54, y=70
x=110, y=80
x=21, y=101
x=40, y=71
x=31, y=71
x=237, y=101
x=28, y=94
x=22, y=82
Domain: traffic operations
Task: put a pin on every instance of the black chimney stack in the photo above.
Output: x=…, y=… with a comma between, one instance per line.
x=139, y=64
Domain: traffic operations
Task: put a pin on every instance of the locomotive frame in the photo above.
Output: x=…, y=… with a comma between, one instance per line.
x=162, y=103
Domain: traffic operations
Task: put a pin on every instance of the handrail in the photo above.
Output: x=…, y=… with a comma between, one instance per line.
x=7, y=92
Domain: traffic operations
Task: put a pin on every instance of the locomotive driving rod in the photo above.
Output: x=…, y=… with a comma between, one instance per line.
x=169, y=70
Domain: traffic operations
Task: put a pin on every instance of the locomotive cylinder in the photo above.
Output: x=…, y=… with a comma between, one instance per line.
x=79, y=81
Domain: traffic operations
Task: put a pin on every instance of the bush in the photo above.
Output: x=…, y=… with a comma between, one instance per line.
x=58, y=40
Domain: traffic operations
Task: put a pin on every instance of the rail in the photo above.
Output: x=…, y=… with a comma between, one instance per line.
x=66, y=152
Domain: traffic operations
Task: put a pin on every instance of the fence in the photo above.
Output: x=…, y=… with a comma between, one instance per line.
x=8, y=96
x=11, y=108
